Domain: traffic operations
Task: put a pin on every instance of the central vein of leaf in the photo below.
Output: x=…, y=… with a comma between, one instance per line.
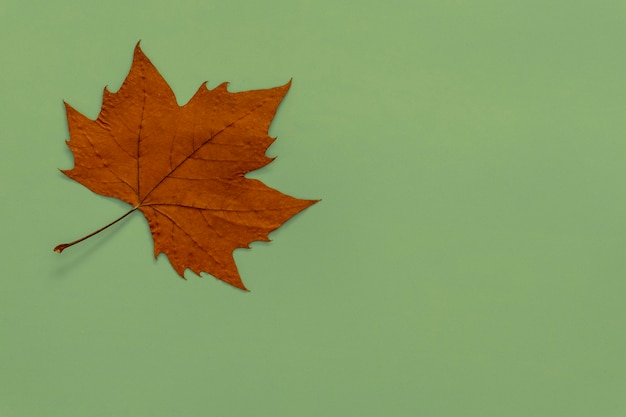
x=143, y=108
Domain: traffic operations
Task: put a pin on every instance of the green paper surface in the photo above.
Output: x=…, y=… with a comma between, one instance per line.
x=466, y=260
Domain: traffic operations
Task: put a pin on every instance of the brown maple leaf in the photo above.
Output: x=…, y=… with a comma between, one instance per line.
x=183, y=167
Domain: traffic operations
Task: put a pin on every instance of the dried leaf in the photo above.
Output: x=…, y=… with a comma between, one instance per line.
x=183, y=167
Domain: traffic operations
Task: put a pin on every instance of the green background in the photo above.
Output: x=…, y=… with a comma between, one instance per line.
x=467, y=258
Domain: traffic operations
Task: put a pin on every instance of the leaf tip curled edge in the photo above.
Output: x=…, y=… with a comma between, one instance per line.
x=223, y=86
x=286, y=87
x=138, y=55
x=237, y=283
x=65, y=172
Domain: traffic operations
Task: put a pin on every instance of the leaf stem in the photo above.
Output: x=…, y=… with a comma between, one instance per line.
x=60, y=248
